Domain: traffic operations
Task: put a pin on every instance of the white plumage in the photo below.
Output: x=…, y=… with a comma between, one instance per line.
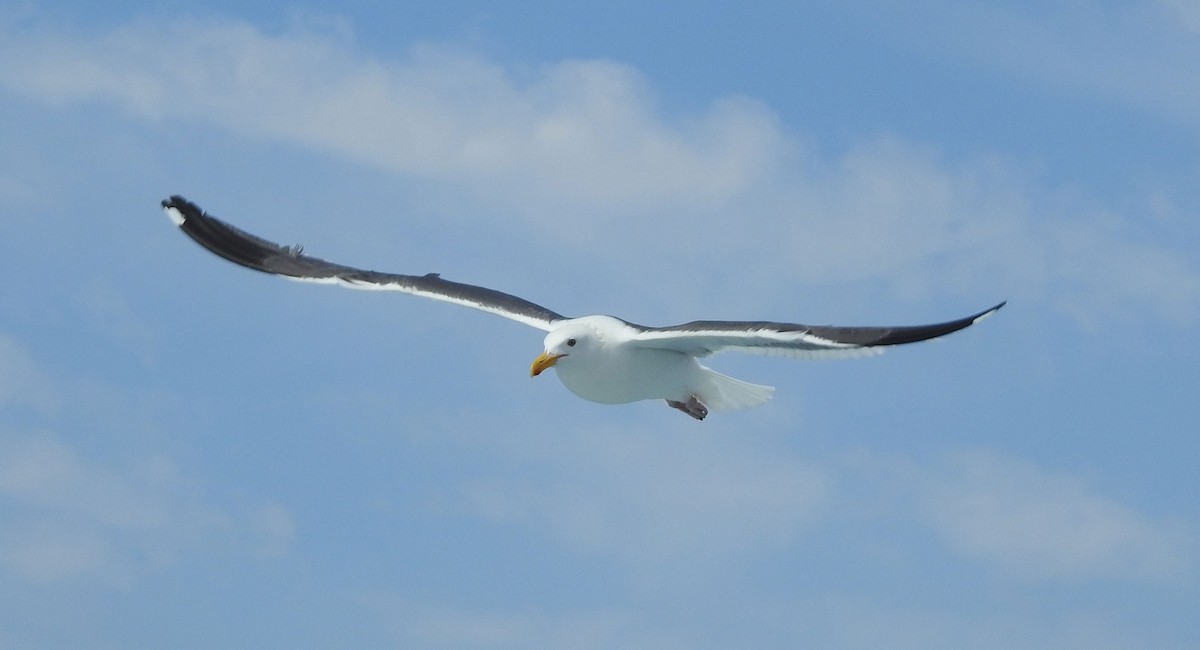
x=604, y=359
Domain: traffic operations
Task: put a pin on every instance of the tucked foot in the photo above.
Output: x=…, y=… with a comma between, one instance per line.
x=692, y=407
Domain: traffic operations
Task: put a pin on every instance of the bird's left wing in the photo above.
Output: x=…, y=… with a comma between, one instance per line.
x=702, y=338
x=253, y=252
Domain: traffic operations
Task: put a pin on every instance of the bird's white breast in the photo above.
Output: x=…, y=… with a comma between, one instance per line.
x=627, y=374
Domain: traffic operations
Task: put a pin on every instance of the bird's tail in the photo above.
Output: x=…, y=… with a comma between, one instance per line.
x=722, y=393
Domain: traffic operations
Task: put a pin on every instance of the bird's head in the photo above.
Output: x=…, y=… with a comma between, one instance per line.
x=559, y=343
x=577, y=338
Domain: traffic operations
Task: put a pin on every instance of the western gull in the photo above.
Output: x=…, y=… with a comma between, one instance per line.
x=599, y=358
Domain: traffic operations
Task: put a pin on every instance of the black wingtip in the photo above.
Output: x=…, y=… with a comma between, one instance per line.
x=913, y=334
x=219, y=237
x=988, y=312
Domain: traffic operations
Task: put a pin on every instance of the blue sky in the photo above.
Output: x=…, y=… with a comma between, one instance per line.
x=194, y=455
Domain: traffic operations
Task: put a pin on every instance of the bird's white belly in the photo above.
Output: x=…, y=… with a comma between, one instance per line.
x=638, y=375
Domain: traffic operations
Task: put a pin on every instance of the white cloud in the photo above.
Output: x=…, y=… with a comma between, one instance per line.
x=68, y=515
x=586, y=130
x=272, y=529
x=71, y=518
x=1038, y=525
x=50, y=553
x=675, y=500
x=892, y=209
x=22, y=382
x=1185, y=12
x=1131, y=54
x=840, y=620
x=1106, y=269
x=414, y=624
x=106, y=310
x=581, y=151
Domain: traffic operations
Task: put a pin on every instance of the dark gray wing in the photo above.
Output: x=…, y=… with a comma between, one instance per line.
x=702, y=338
x=253, y=252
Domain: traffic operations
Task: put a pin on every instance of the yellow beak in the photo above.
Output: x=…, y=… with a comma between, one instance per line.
x=544, y=360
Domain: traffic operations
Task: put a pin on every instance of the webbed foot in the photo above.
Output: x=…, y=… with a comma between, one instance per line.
x=693, y=407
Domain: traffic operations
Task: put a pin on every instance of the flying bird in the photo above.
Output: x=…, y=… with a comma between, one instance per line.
x=599, y=358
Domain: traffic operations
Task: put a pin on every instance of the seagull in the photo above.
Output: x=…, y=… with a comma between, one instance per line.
x=599, y=358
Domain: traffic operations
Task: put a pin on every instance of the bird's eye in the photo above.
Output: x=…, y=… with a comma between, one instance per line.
x=571, y=342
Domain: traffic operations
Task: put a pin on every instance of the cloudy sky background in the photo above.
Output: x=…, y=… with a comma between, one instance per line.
x=193, y=455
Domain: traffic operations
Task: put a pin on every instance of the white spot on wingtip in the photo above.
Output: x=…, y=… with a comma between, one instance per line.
x=174, y=215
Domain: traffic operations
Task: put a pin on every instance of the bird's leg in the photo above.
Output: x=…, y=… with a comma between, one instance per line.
x=693, y=407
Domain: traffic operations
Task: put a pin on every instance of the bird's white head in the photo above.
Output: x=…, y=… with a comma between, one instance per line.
x=578, y=338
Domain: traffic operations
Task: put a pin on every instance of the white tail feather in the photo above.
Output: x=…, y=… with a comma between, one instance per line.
x=722, y=393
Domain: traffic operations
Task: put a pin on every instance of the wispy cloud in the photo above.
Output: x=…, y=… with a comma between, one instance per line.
x=586, y=130
x=672, y=515
x=411, y=623
x=894, y=209
x=73, y=518
x=69, y=515
x=104, y=308
x=1035, y=524
x=581, y=151
x=669, y=501
x=1187, y=13
x=22, y=382
x=1129, y=54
